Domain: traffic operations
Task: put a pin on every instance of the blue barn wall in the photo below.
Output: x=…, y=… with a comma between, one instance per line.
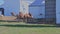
x=37, y=11
x=58, y=11
x=11, y=6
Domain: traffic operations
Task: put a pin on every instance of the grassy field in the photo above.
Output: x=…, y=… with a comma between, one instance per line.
x=27, y=30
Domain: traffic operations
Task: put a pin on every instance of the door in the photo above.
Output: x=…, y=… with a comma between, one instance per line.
x=1, y=11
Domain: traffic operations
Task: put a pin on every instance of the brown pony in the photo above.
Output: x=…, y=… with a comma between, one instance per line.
x=21, y=15
x=27, y=15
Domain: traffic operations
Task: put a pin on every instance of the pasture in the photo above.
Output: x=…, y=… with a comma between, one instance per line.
x=23, y=28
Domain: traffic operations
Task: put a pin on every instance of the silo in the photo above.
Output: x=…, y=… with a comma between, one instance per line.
x=50, y=11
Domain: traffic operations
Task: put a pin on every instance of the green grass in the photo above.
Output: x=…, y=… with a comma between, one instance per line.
x=24, y=24
x=12, y=28
x=26, y=30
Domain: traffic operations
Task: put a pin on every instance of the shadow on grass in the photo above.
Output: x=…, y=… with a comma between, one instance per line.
x=58, y=25
x=30, y=25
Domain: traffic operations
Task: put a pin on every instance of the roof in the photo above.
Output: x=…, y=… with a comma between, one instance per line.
x=37, y=3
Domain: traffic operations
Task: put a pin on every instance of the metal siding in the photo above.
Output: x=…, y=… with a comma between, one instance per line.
x=58, y=11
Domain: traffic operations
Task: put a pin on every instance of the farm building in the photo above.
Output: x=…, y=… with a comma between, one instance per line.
x=45, y=10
